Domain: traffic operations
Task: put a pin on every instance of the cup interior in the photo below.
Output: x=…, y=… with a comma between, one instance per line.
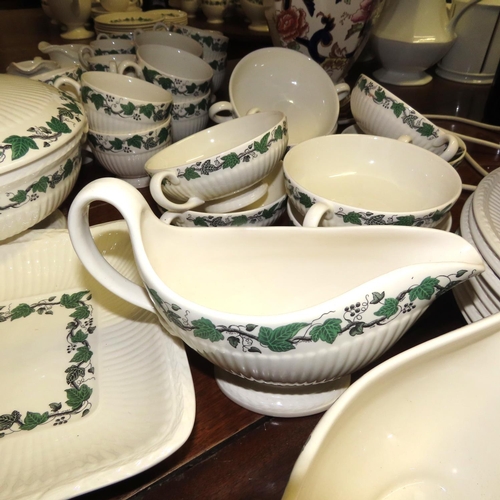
x=285, y=80
x=372, y=173
x=169, y=39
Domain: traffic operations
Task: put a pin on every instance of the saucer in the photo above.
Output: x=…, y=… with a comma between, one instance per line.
x=99, y=392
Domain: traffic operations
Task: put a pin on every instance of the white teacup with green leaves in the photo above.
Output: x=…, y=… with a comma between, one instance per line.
x=107, y=62
x=104, y=46
x=116, y=103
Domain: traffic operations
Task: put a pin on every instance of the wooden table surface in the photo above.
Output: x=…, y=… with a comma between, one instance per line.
x=233, y=453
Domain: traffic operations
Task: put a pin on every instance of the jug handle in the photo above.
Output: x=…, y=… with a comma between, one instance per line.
x=315, y=213
x=131, y=204
x=454, y=20
x=217, y=107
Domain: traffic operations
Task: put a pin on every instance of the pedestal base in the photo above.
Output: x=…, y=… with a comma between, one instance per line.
x=405, y=79
x=280, y=401
x=80, y=33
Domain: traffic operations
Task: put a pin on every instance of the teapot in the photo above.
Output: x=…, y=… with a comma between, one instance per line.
x=73, y=14
x=411, y=36
x=285, y=314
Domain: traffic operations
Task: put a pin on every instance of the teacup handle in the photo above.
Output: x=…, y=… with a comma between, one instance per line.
x=160, y=198
x=68, y=81
x=343, y=90
x=131, y=204
x=217, y=107
x=169, y=217
x=160, y=27
x=136, y=33
x=103, y=36
x=124, y=65
x=316, y=212
x=83, y=54
x=451, y=149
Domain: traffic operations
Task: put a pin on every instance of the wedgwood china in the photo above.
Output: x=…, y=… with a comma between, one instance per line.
x=407, y=45
x=102, y=359
x=33, y=67
x=264, y=212
x=280, y=79
x=191, y=7
x=108, y=62
x=254, y=12
x=116, y=103
x=117, y=5
x=407, y=415
x=126, y=155
x=168, y=38
x=73, y=15
x=214, y=10
x=103, y=46
x=189, y=116
x=64, y=55
x=278, y=352
x=351, y=180
x=331, y=33
x=40, y=154
x=379, y=112
x=175, y=70
x=50, y=77
x=222, y=160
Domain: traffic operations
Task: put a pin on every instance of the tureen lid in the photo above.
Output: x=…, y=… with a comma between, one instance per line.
x=35, y=120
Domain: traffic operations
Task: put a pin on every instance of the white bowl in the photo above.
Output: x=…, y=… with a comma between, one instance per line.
x=359, y=180
x=421, y=425
x=219, y=161
x=170, y=39
x=379, y=112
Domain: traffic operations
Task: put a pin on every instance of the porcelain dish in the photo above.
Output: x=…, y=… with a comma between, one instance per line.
x=40, y=155
x=411, y=416
x=106, y=368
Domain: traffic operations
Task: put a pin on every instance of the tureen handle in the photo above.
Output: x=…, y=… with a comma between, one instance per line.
x=131, y=205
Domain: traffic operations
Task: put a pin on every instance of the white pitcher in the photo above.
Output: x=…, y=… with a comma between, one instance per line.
x=73, y=14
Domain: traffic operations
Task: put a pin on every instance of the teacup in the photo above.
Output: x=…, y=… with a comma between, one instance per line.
x=354, y=180
x=126, y=154
x=288, y=81
x=379, y=112
x=104, y=45
x=168, y=38
x=264, y=212
x=117, y=103
x=223, y=160
x=107, y=62
x=189, y=116
x=175, y=70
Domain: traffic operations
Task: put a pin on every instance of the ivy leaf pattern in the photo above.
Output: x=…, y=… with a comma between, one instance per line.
x=205, y=329
x=58, y=126
x=76, y=397
x=32, y=420
x=328, y=331
x=21, y=311
x=262, y=146
x=425, y=290
x=278, y=339
x=390, y=308
x=20, y=145
x=352, y=218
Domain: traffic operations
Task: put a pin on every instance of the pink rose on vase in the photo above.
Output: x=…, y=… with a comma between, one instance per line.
x=291, y=24
x=363, y=13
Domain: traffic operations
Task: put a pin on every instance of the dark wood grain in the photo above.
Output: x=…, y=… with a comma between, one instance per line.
x=232, y=453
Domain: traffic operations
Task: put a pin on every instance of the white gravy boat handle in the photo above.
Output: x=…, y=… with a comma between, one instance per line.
x=131, y=204
x=217, y=107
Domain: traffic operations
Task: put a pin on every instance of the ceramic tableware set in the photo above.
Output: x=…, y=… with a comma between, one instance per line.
x=480, y=226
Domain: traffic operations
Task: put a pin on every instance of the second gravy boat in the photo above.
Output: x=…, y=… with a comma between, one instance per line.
x=285, y=313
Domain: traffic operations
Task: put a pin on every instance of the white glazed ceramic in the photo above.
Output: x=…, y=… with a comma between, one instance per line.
x=32, y=67
x=108, y=62
x=378, y=111
x=117, y=5
x=412, y=36
x=271, y=305
x=117, y=103
x=408, y=415
x=191, y=7
x=125, y=155
x=130, y=371
x=169, y=39
x=175, y=70
x=351, y=180
x=103, y=46
x=42, y=130
x=254, y=12
x=73, y=14
x=64, y=55
x=214, y=10
x=280, y=79
x=264, y=212
x=222, y=160
x=332, y=33
x=475, y=55
x=189, y=116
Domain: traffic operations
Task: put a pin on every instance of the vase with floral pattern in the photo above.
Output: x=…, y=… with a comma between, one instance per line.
x=331, y=32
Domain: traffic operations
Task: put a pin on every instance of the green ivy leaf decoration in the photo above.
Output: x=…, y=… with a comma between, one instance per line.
x=82, y=355
x=362, y=83
x=357, y=329
x=200, y=221
x=405, y=220
x=163, y=135
x=79, y=336
x=117, y=144
x=85, y=93
x=398, y=108
x=166, y=83
x=205, y=329
x=72, y=301
x=68, y=168
x=239, y=220
x=74, y=372
x=305, y=200
x=20, y=145
x=278, y=340
x=262, y=146
x=233, y=341
x=135, y=142
x=379, y=95
x=377, y=297
x=147, y=110
x=460, y=273
x=426, y=130
x=76, y=397
x=425, y=290
x=352, y=218
x=190, y=173
x=81, y=312
x=55, y=407
x=278, y=133
x=128, y=109
x=230, y=160
x=20, y=197
x=328, y=331
x=73, y=107
x=21, y=311
x=390, y=308
x=42, y=185
x=58, y=126
x=149, y=74
x=32, y=420
x=6, y=421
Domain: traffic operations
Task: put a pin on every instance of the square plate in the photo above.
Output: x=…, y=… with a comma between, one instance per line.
x=73, y=353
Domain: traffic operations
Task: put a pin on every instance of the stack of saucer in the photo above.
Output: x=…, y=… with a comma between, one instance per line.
x=123, y=24
x=480, y=226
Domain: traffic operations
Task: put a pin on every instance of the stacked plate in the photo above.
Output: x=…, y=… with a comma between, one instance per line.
x=123, y=24
x=480, y=226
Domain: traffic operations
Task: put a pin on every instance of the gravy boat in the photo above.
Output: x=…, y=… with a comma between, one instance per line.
x=284, y=313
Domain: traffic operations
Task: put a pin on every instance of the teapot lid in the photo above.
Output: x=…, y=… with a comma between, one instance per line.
x=35, y=120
